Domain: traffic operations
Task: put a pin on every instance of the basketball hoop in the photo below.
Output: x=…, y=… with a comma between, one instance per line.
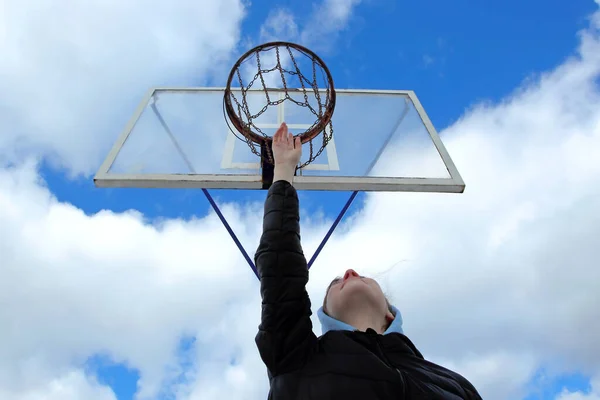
x=317, y=95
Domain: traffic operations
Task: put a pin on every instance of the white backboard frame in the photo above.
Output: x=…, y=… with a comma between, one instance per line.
x=453, y=184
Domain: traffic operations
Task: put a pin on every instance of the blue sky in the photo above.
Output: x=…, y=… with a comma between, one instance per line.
x=454, y=55
x=450, y=54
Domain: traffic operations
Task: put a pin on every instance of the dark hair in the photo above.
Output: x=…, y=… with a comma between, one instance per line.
x=327, y=292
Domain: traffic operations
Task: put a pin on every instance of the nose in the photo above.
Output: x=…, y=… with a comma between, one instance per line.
x=351, y=273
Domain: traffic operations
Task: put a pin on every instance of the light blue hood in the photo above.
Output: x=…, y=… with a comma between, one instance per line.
x=331, y=324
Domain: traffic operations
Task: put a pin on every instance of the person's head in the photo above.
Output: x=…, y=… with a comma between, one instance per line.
x=353, y=296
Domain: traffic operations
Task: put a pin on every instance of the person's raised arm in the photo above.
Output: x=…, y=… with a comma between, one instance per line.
x=285, y=338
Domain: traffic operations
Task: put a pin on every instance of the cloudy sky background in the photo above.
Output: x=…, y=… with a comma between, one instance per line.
x=122, y=294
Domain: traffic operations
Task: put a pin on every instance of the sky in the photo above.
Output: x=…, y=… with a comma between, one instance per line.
x=141, y=294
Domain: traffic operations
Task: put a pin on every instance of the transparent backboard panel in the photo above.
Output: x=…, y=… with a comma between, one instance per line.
x=184, y=132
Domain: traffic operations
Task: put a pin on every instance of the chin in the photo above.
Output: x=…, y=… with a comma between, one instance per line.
x=356, y=284
x=357, y=291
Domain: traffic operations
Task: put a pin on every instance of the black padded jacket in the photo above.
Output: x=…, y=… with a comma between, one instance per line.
x=342, y=365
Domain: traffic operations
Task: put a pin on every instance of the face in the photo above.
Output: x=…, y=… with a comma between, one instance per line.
x=354, y=292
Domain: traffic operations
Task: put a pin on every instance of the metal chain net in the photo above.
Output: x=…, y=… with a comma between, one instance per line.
x=309, y=88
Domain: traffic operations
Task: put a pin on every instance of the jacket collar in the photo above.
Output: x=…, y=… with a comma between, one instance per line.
x=331, y=324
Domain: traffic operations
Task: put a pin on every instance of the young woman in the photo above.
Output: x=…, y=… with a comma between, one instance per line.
x=363, y=353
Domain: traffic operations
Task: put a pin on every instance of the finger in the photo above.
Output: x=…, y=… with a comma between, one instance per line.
x=283, y=130
x=290, y=139
x=297, y=143
x=279, y=133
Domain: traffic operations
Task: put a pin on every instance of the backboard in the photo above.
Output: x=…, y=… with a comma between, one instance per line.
x=179, y=138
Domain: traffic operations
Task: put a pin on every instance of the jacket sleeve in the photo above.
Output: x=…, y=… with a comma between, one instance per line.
x=285, y=338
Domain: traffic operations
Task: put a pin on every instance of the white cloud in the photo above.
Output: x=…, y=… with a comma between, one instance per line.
x=327, y=20
x=319, y=30
x=495, y=282
x=73, y=385
x=110, y=283
x=72, y=73
x=504, y=374
x=279, y=25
